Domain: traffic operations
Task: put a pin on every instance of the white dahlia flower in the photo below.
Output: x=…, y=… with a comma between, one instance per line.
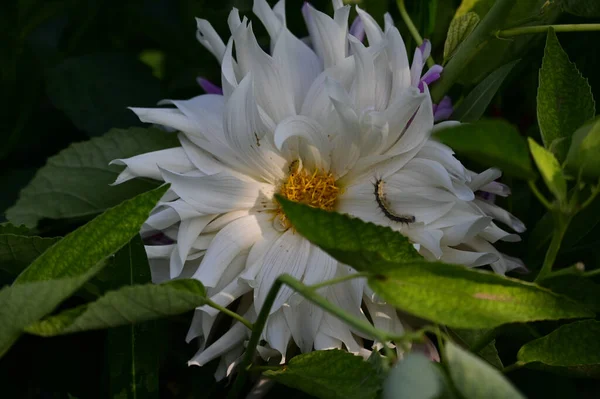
x=326, y=121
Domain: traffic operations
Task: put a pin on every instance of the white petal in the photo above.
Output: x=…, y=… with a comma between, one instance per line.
x=277, y=333
x=484, y=178
x=229, y=340
x=372, y=28
x=327, y=36
x=267, y=16
x=493, y=233
x=146, y=165
x=209, y=38
x=398, y=62
x=468, y=258
x=364, y=78
x=303, y=320
x=288, y=255
x=234, y=238
x=314, y=149
x=189, y=230
x=501, y=215
x=221, y=192
x=419, y=129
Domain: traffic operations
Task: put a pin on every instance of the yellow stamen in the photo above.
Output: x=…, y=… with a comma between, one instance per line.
x=316, y=189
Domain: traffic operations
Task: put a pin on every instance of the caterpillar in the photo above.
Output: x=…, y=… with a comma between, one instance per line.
x=385, y=208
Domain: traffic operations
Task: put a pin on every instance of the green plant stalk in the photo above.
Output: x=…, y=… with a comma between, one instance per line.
x=527, y=30
x=310, y=294
x=470, y=47
x=561, y=222
x=412, y=28
x=547, y=204
x=229, y=313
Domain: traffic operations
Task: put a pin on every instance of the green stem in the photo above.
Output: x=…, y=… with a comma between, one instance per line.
x=412, y=28
x=576, y=269
x=592, y=273
x=561, y=222
x=470, y=47
x=540, y=196
x=526, y=30
x=512, y=367
x=229, y=313
x=591, y=198
x=339, y=280
x=310, y=294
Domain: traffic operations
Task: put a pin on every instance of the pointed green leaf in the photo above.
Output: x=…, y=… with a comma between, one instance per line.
x=9, y=228
x=572, y=349
x=68, y=264
x=347, y=239
x=124, y=306
x=447, y=294
x=474, y=105
x=491, y=143
x=415, y=377
x=474, y=378
x=466, y=298
x=564, y=99
x=576, y=287
x=459, y=29
x=331, y=374
x=583, y=154
x=76, y=182
x=549, y=169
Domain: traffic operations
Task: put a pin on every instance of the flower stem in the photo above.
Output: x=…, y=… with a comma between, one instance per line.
x=339, y=280
x=412, y=28
x=547, y=204
x=512, y=367
x=526, y=30
x=229, y=313
x=470, y=47
x=310, y=294
x=561, y=222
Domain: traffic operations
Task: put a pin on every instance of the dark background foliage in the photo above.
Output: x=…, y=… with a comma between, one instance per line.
x=70, y=68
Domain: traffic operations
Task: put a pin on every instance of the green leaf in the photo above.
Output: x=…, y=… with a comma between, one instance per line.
x=126, y=305
x=466, y=298
x=447, y=294
x=475, y=104
x=18, y=251
x=415, y=377
x=549, y=169
x=68, y=264
x=459, y=29
x=76, y=182
x=491, y=143
x=348, y=239
x=489, y=353
x=331, y=374
x=572, y=349
x=9, y=228
x=133, y=360
x=583, y=8
x=564, y=100
x=576, y=287
x=585, y=147
x=94, y=90
x=474, y=378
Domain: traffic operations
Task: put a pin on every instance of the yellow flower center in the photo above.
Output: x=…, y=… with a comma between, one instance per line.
x=316, y=189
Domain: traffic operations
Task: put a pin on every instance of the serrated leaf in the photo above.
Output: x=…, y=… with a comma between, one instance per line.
x=459, y=29
x=9, y=228
x=447, y=294
x=94, y=90
x=583, y=153
x=550, y=170
x=474, y=105
x=465, y=298
x=572, y=349
x=76, y=182
x=491, y=143
x=564, y=99
x=583, y=8
x=124, y=306
x=68, y=264
x=415, y=377
x=331, y=374
x=489, y=353
x=18, y=251
x=474, y=378
x=348, y=239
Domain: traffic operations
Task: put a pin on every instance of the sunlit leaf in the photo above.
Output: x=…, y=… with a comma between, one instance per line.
x=549, y=169
x=459, y=29
x=583, y=154
x=68, y=264
x=564, y=100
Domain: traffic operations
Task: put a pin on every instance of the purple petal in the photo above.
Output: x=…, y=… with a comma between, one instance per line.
x=443, y=110
x=425, y=48
x=432, y=74
x=208, y=87
x=357, y=29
